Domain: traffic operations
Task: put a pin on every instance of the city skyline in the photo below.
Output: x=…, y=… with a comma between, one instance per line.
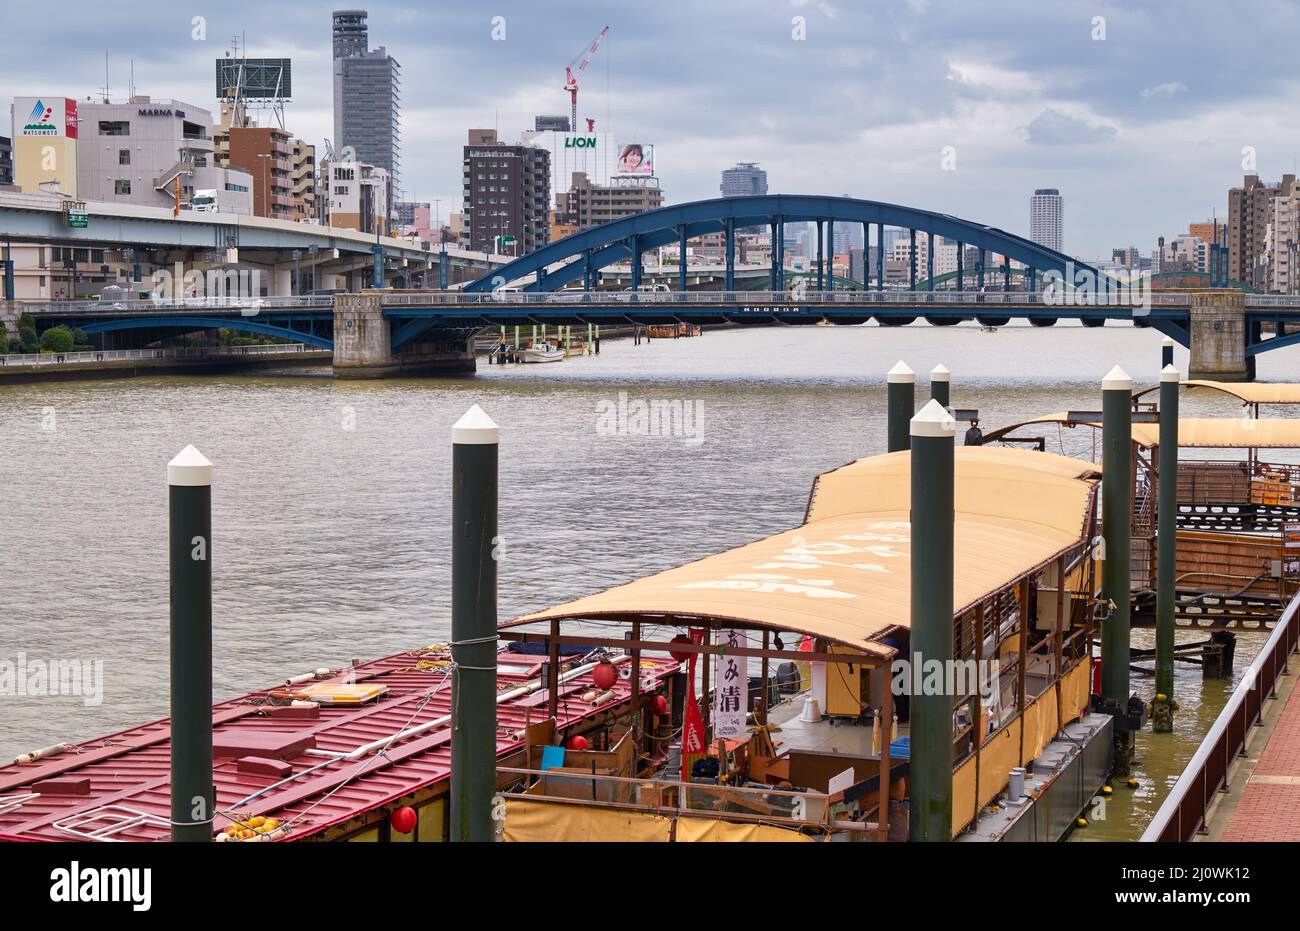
x=1048, y=104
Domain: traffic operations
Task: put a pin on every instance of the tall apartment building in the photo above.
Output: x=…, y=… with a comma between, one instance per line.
x=1281, y=242
x=144, y=151
x=1127, y=256
x=507, y=193
x=743, y=179
x=586, y=204
x=266, y=153
x=1046, y=218
x=1211, y=230
x=304, y=180
x=1250, y=208
x=367, y=97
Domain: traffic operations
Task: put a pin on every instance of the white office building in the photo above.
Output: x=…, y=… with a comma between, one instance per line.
x=1046, y=213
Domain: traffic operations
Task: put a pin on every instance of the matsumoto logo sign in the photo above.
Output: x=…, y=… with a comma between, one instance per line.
x=56, y=116
x=40, y=121
x=580, y=142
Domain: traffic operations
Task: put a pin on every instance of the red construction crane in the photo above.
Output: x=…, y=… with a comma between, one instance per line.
x=571, y=74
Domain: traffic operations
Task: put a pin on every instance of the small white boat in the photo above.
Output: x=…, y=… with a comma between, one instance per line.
x=541, y=352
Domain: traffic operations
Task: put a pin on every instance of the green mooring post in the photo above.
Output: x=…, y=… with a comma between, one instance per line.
x=474, y=444
x=1166, y=352
x=1116, y=531
x=189, y=481
x=1163, y=705
x=930, y=795
x=900, y=405
x=940, y=378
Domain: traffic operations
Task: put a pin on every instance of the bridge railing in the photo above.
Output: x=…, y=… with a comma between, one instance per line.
x=750, y=298
x=117, y=355
x=77, y=308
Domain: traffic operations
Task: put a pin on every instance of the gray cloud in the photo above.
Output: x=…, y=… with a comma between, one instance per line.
x=1052, y=127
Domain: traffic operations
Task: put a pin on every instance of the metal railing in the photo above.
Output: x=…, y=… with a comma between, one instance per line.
x=119, y=355
x=1183, y=813
x=771, y=298
x=115, y=305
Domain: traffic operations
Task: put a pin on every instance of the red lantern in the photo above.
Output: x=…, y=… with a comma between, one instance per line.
x=577, y=742
x=661, y=705
x=403, y=820
x=676, y=654
x=604, y=675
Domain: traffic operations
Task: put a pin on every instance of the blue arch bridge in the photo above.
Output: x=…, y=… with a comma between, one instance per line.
x=597, y=276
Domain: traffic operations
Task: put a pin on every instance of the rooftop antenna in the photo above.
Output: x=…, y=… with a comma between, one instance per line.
x=105, y=88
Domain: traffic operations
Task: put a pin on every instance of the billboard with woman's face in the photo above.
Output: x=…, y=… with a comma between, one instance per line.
x=635, y=158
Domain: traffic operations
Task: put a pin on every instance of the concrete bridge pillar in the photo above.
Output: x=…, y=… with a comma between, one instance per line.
x=1218, y=326
x=282, y=281
x=363, y=339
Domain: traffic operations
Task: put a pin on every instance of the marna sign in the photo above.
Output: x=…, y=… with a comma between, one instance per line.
x=160, y=111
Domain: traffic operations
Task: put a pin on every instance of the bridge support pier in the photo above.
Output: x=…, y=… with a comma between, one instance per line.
x=363, y=344
x=1218, y=326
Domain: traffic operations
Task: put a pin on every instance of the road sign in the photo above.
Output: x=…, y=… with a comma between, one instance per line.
x=74, y=212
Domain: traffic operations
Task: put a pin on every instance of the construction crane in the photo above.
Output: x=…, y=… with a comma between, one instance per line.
x=571, y=74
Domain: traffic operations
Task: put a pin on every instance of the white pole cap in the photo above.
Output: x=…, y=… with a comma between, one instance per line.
x=190, y=467
x=1167, y=341
x=1169, y=373
x=475, y=428
x=933, y=420
x=940, y=373
x=1117, y=380
x=901, y=374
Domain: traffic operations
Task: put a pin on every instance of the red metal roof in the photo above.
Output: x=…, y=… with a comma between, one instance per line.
x=131, y=768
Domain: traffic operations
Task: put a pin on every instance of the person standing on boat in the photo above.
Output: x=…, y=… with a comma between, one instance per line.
x=974, y=436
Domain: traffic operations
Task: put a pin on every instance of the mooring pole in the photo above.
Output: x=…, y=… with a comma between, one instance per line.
x=1166, y=354
x=930, y=798
x=900, y=405
x=1116, y=531
x=939, y=380
x=189, y=481
x=1163, y=707
x=474, y=445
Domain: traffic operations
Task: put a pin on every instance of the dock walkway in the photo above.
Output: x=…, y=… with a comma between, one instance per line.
x=1268, y=805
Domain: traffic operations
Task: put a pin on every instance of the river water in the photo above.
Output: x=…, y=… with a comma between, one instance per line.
x=331, y=499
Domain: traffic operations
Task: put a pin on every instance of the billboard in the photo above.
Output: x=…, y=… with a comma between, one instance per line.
x=45, y=116
x=257, y=78
x=635, y=158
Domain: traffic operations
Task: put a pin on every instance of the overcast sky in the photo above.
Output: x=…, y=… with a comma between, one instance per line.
x=1142, y=130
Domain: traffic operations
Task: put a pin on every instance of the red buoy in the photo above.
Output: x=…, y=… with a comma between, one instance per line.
x=576, y=742
x=661, y=705
x=677, y=654
x=604, y=675
x=403, y=820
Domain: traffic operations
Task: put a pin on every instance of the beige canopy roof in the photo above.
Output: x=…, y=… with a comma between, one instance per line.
x=1226, y=433
x=845, y=573
x=1252, y=392
x=1203, y=433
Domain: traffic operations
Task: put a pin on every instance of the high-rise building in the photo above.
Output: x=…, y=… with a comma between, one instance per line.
x=1250, y=209
x=1281, y=242
x=1211, y=230
x=304, y=180
x=586, y=204
x=1046, y=213
x=266, y=153
x=507, y=195
x=743, y=179
x=557, y=123
x=367, y=97
x=1127, y=256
